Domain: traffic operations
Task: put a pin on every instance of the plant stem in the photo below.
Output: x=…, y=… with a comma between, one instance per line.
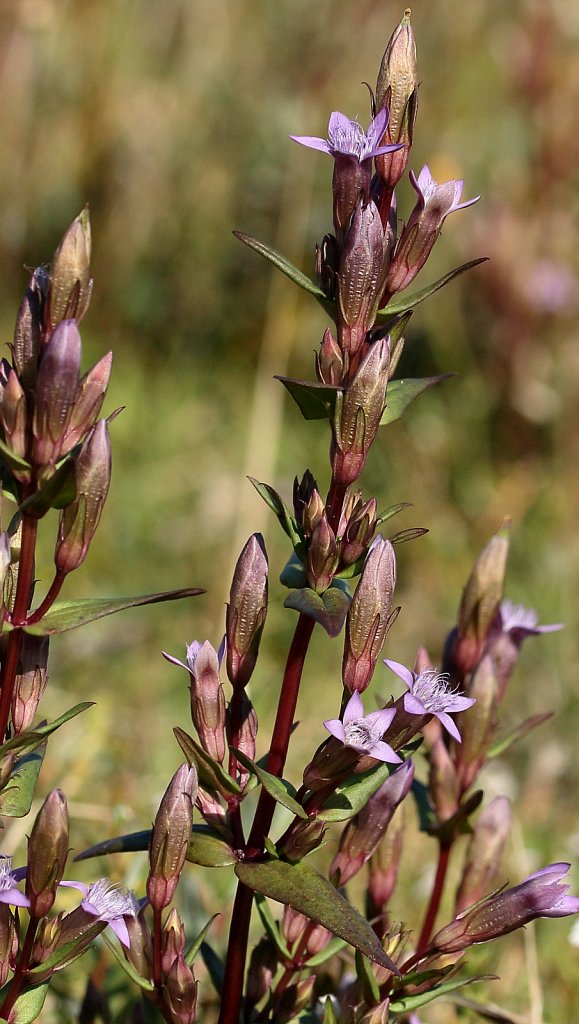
x=435, y=897
x=240, y=919
x=21, y=605
x=21, y=968
x=49, y=600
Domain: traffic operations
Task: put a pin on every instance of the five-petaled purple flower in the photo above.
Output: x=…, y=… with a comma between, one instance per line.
x=8, y=879
x=108, y=902
x=542, y=894
x=364, y=732
x=522, y=622
x=348, y=138
x=429, y=693
x=444, y=198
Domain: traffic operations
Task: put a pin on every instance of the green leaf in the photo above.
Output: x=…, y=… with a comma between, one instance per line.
x=408, y=1003
x=490, y=1011
x=65, y=615
x=353, y=794
x=212, y=774
x=293, y=575
x=334, y=946
x=16, y=799
x=127, y=967
x=12, y=460
x=329, y=1012
x=28, y=1006
x=193, y=949
x=29, y=740
x=281, y=790
x=57, y=492
x=393, y=510
x=367, y=979
x=412, y=533
x=287, y=268
x=133, y=842
x=214, y=966
x=286, y=520
x=68, y=952
x=300, y=887
x=209, y=850
x=517, y=734
x=403, y=304
x=400, y=393
x=315, y=401
x=329, y=609
x=270, y=925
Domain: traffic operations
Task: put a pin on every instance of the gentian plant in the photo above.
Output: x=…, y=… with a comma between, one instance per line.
x=321, y=955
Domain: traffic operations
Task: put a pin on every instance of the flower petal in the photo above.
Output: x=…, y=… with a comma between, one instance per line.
x=400, y=670
x=312, y=142
x=384, y=752
x=354, y=709
x=336, y=728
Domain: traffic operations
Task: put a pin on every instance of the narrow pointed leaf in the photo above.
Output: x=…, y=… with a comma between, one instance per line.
x=521, y=730
x=315, y=401
x=412, y=533
x=281, y=791
x=275, y=503
x=16, y=799
x=133, y=842
x=401, y=305
x=214, y=966
x=127, y=967
x=12, y=460
x=400, y=393
x=65, y=615
x=58, y=492
x=407, y=1003
x=353, y=794
x=208, y=850
x=68, y=952
x=329, y=609
x=212, y=774
x=490, y=1011
x=287, y=268
x=393, y=510
x=30, y=739
x=270, y=925
x=334, y=946
x=300, y=887
x=367, y=979
x=193, y=949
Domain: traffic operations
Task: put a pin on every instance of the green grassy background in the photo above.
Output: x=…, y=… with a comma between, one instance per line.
x=172, y=120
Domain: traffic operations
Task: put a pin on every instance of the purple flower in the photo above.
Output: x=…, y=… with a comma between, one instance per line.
x=429, y=693
x=364, y=732
x=521, y=621
x=192, y=650
x=110, y=903
x=540, y=895
x=442, y=198
x=8, y=879
x=348, y=138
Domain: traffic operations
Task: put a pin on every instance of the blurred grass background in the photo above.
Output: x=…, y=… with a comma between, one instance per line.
x=172, y=120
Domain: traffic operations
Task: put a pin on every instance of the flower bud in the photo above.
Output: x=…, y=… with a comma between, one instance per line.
x=92, y=389
x=368, y=617
x=56, y=391
x=329, y=360
x=361, y=276
x=246, y=611
x=79, y=521
x=8, y=941
x=378, y=1014
x=358, y=413
x=244, y=740
x=365, y=830
x=322, y=558
x=327, y=265
x=485, y=853
x=172, y=941
x=47, y=853
x=46, y=939
x=14, y=415
x=301, y=838
x=294, y=999
x=303, y=495
x=180, y=992
x=262, y=968
x=397, y=90
x=70, y=285
x=170, y=838
x=359, y=531
x=444, y=785
x=478, y=724
x=207, y=698
x=139, y=951
x=28, y=330
x=384, y=866
x=30, y=681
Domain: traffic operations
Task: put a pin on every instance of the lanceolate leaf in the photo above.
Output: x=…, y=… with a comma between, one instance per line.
x=353, y=794
x=270, y=925
x=30, y=739
x=212, y=774
x=16, y=799
x=401, y=305
x=65, y=615
x=131, y=843
x=287, y=268
x=400, y=393
x=300, y=887
x=316, y=401
x=286, y=520
x=127, y=967
x=208, y=850
x=517, y=734
x=195, y=946
x=407, y=1003
x=281, y=791
x=58, y=492
x=329, y=609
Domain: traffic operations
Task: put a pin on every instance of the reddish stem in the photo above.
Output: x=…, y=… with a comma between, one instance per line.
x=48, y=601
x=21, y=605
x=21, y=968
x=435, y=898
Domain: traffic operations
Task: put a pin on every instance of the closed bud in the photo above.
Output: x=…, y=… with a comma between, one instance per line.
x=361, y=276
x=70, y=285
x=139, y=952
x=262, y=968
x=384, y=866
x=170, y=837
x=46, y=939
x=329, y=360
x=397, y=91
x=378, y=1014
x=14, y=415
x=358, y=413
x=323, y=557
x=28, y=330
x=301, y=838
x=293, y=925
x=365, y=830
x=369, y=615
x=303, y=492
x=484, y=855
x=294, y=999
x=180, y=992
x=92, y=389
x=56, y=391
x=246, y=611
x=207, y=698
x=359, y=531
x=477, y=727
x=47, y=853
x=444, y=784
x=172, y=941
x=30, y=681
x=245, y=738
x=79, y=521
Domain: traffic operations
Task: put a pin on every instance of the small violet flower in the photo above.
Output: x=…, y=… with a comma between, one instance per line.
x=429, y=693
x=110, y=903
x=8, y=879
x=348, y=138
x=443, y=198
x=522, y=622
x=192, y=650
x=364, y=732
